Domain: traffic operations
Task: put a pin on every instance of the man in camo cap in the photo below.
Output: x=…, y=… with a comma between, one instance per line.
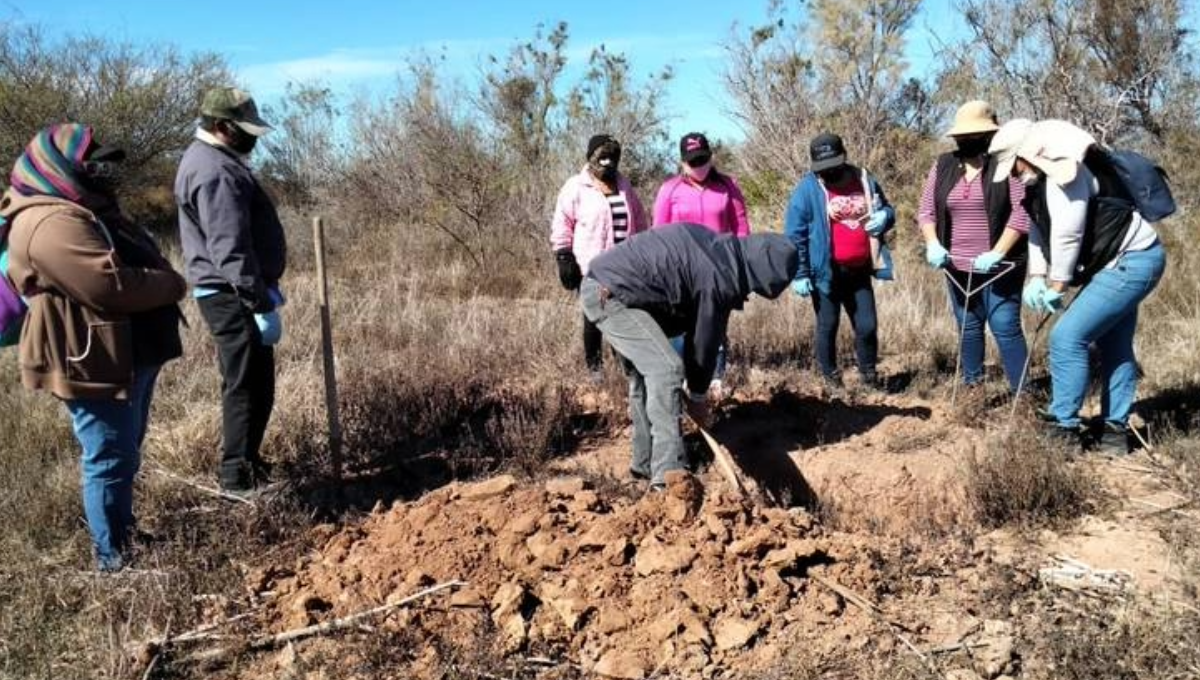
x=235, y=252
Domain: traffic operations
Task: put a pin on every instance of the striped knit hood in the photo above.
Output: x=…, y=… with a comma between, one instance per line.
x=52, y=165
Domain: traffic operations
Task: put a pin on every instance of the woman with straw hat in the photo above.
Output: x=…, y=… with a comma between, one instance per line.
x=971, y=227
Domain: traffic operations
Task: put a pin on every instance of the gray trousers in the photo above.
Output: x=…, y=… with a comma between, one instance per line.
x=655, y=373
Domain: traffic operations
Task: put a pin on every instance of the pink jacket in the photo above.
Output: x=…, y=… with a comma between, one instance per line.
x=583, y=221
x=718, y=204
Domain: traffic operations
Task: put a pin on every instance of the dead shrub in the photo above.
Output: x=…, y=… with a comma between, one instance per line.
x=1017, y=480
x=1139, y=641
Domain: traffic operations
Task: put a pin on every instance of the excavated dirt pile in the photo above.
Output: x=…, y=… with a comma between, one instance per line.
x=689, y=580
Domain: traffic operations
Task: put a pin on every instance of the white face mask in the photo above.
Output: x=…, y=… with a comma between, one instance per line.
x=1028, y=178
x=700, y=173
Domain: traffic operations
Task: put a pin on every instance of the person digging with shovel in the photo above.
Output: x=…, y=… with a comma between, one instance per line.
x=680, y=279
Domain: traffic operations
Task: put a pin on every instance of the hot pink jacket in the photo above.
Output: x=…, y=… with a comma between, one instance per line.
x=583, y=221
x=718, y=204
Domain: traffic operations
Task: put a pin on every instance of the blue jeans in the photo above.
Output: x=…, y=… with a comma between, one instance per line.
x=998, y=307
x=111, y=431
x=1104, y=313
x=850, y=289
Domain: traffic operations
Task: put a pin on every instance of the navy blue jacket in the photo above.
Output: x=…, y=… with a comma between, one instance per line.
x=690, y=279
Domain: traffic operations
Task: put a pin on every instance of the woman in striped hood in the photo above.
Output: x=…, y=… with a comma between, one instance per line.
x=102, y=314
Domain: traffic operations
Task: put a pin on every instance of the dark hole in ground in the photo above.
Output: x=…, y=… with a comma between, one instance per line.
x=761, y=435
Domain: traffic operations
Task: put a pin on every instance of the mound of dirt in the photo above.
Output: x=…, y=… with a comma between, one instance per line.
x=689, y=580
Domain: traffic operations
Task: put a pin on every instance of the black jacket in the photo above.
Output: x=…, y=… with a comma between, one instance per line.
x=690, y=279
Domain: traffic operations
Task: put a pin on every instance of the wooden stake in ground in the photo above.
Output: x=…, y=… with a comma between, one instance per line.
x=331, y=397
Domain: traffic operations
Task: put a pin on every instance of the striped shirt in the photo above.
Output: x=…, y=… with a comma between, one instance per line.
x=620, y=216
x=970, y=236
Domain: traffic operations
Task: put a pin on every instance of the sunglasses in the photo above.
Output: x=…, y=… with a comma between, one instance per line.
x=698, y=161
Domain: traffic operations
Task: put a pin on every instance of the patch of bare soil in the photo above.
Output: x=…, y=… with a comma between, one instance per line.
x=586, y=572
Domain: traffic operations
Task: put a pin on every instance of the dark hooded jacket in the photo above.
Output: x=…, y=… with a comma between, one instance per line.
x=690, y=279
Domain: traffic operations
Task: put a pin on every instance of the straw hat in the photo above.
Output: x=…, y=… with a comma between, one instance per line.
x=972, y=118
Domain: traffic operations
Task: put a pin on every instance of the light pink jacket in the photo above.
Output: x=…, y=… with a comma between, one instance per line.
x=583, y=221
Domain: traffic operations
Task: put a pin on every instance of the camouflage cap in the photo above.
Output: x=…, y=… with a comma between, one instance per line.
x=230, y=103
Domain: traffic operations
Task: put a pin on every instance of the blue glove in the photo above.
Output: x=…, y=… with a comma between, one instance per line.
x=1032, y=295
x=276, y=296
x=936, y=255
x=1052, y=301
x=270, y=327
x=986, y=262
x=876, y=222
x=802, y=287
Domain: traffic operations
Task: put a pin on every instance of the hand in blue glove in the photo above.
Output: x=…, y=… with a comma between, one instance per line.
x=276, y=296
x=1052, y=301
x=876, y=222
x=936, y=255
x=1032, y=295
x=802, y=287
x=270, y=327
x=986, y=262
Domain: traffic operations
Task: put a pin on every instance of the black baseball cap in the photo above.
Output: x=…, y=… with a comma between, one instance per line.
x=694, y=145
x=826, y=151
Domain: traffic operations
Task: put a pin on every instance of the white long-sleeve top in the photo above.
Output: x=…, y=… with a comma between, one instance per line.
x=1067, y=205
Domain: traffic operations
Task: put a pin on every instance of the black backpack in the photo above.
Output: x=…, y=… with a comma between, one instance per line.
x=1145, y=183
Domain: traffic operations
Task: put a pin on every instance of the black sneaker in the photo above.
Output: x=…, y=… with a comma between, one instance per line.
x=1058, y=435
x=833, y=381
x=870, y=380
x=1112, y=441
x=638, y=474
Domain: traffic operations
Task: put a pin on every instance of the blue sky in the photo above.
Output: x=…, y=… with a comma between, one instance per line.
x=353, y=45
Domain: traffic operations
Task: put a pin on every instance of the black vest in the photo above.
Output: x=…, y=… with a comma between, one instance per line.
x=996, y=202
x=1109, y=214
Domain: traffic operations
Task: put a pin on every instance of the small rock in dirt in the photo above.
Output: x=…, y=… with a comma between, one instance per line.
x=830, y=604
x=617, y=553
x=790, y=554
x=655, y=557
x=566, y=602
x=565, y=487
x=467, y=597
x=734, y=633
x=994, y=659
x=757, y=543
x=585, y=501
x=625, y=665
x=681, y=623
x=524, y=525
x=962, y=674
x=496, y=486
x=716, y=527
x=507, y=615
x=546, y=548
x=611, y=620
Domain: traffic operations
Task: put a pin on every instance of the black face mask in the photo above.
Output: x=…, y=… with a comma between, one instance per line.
x=605, y=167
x=834, y=175
x=239, y=140
x=101, y=177
x=973, y=146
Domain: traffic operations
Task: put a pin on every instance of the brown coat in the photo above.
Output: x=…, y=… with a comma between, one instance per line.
x=77, y=338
